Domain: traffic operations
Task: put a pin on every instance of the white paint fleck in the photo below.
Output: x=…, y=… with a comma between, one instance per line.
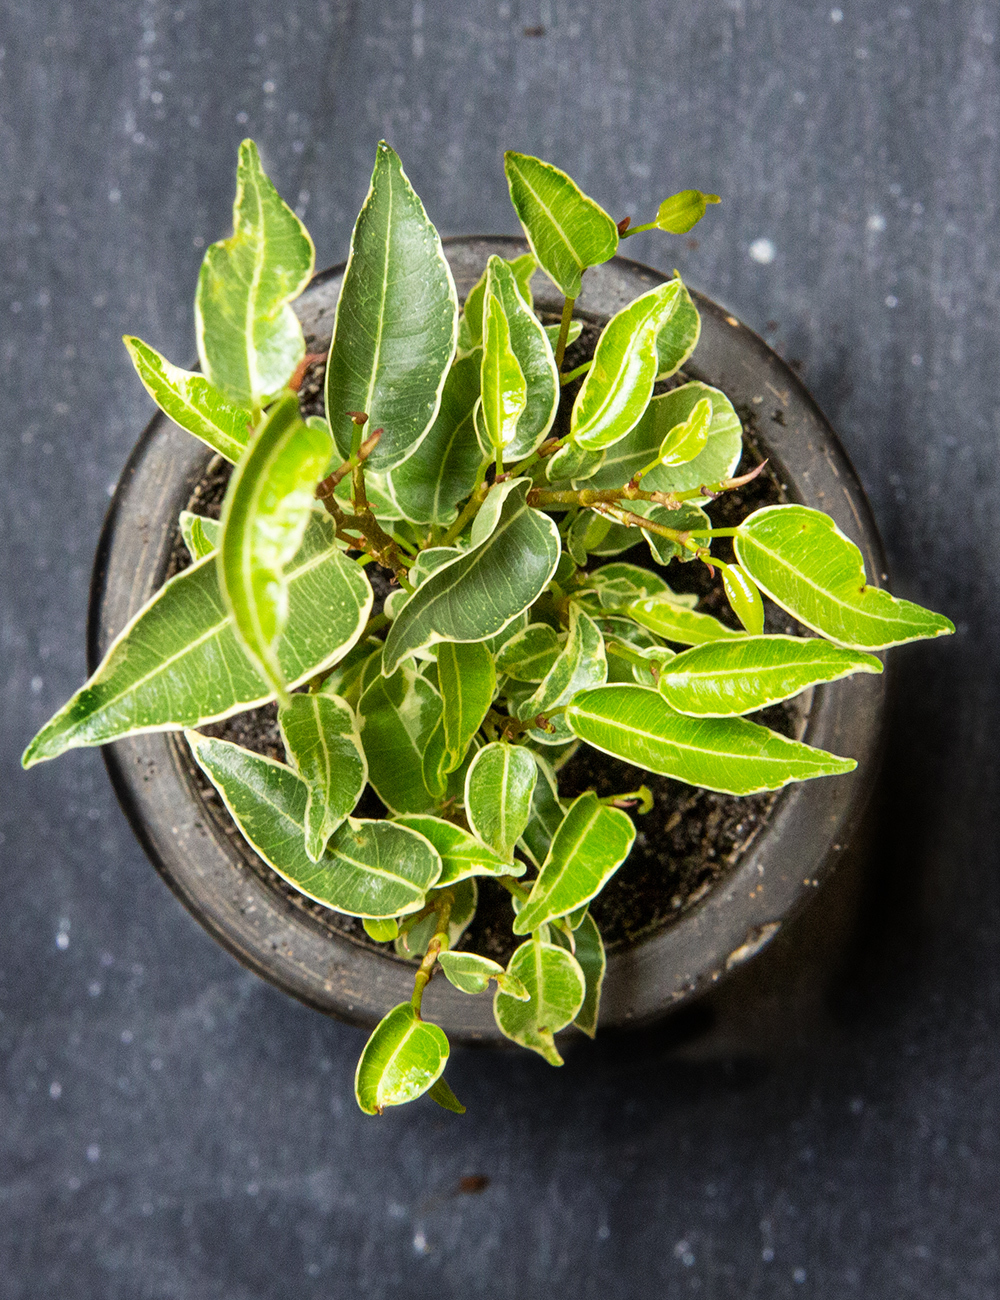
x=876, y=223
x=55, y=1089
x=94, y=988
x=767, y=1254
x=127, y=1036
x=313, y=1269
x=114, y=196
x=603, y=1232
x=916, y=359
x=93, y=1153
x=156, y=97
x=891, y=300
x=419, y=1242
x=762, y=251
x=242, y=117
x=36, y=685
x=799, y=1275
x=396, y=1211
x=269, y=87
x=62, y=940
x=73, y=1184
x=836, y=15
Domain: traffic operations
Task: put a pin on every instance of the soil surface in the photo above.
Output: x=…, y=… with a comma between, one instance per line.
x=684, y=846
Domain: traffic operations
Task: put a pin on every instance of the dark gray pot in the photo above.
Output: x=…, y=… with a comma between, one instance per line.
x=213, y=873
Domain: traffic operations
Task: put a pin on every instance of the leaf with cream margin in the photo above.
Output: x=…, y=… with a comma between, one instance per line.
x=546, y=816
x=673, y=622
x=323, y=744
x=678, y=336
x=582, y=662
x=503, y=388
x=178, y=662
x=530, y=345
x=556, y=989
x=465, y=899
x=398, y=716
x=471, y=974
x=404, y=1058
x=201, y=535
x=249, y=338
x=530, y=653
x=498, y=792
x=462, y=854
x=467, y=679
x=471, y=324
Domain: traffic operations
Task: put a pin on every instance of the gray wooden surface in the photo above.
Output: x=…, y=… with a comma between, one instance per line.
x=172, y=1127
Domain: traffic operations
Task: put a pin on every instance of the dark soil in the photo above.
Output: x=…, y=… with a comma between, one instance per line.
x=689, y=841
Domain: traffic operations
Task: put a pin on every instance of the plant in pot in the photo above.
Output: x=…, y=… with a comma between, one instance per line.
x=483, y=487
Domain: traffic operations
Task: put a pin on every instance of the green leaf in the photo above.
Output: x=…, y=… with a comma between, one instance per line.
x=616, y=389
x=682, y=211
x=467, y=681
x=531, y=347
x=481, y=592
x=432, y=765
x=465, y=895
x=726, y=754
x=323, y=745
x=666, y=618
x=744, y=598
x=802, y=560
x=687, y=440
x=191, y=401
x=381, y=931
x=593, y=962
x=728, y=678
x=402, y=1060
x=556, y=989
x=398, y=715
x=471, y=973
x=178, y=662
x=441, y=1093
x=619, y=584
x=502, y=383
x=249, y=338
x=427, y=488
x=498, y=793
x=717, y=462
x=588, y=848
x=522, y=268
x=268, y=505
x=201, y=535
x=566, y=230
x=575, y=330
x=571, y=463
x=462, y=854
x=397, y=321
x=581, y=663
x=346, y=679
x=530, y=653
x=370, y=868
x=547, y=813
x=678, y=336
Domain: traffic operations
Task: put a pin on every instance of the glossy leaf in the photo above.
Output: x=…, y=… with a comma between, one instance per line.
x=462, y=854
x=531, y=348
x=471, y=325
x=572, y=463
x=666, y=618
x=530, y=653
x=465, y=897
x=249, y=338
x=397, y=321
x=346, y=679
x=370, y=868
x=556, y=989
x=178, y=662
x=201, y=535
x=547, y=813
x=616, y=389
x=498, y=793
x=567, y=231
x=381, y=931
x=502, y=383
x=481, y=592
x=442, y=1094
x=726, y=754
x=398, y=715
x=192, y=401
x=590, y=845
x=471, y=973
x=619, y=584
x=467, y=681
x=688, y=439
x=432, y=765
x=321, y=738
x=427, y=488
x=403, y=1059
x=728, y=678
x=744, y=598
x=678, y=336
x=581, y=663
x=593, y=962
x=806, y=564
x=681, y=212
x=268, y=505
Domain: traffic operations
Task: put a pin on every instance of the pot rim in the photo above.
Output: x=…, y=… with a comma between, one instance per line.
x=796, y=849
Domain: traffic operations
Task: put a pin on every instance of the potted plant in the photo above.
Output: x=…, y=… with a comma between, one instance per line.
x=460, y=457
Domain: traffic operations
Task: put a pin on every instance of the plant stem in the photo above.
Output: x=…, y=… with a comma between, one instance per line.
x=564, y=324
x=438, y=943
x=575, y=374
x=635, y=230
x=472, y=507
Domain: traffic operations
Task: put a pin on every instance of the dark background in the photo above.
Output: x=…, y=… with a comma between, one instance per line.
x=170, y=1126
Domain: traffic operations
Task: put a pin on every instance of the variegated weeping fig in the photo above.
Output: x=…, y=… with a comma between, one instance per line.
x=510, y=636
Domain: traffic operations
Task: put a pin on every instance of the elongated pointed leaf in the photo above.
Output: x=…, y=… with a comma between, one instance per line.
x=471, y=973
x=498, y=793
x=465, y=896
x=427, y=488
x=678, y=336
x=432, y=765
x=402, y=1060
x=503, y=386
x=192, y=401
x=201, y=535
x=462, y=854
x=726, y=754
x=522, y=268
x=805, y=563
x=666, y=618
x=617, y=387
x=249, y=338
x=546, y=816
x=398, y=715
x=370, y=868
x=566, y=230
x=323, y=744
x=268, y=505
x=530, y=653
x=744, y=598
x=481, y=592
x=727, y=678
x=593, y=962
x=178, y=662
x=397, y=321
x=688, y=439
x=556, y=989
x=718, y=460
x=467, y=681
x=530, y=345
x=442, y=1094
x=588, y=848
x=581, y=663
